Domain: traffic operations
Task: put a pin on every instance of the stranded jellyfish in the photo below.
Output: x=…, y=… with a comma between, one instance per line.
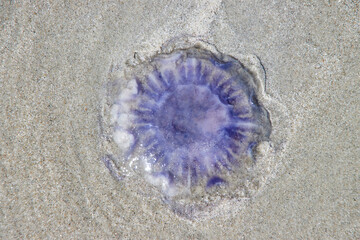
x=191, y=122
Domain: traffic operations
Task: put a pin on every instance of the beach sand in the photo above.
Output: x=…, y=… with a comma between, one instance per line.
x=56, y=57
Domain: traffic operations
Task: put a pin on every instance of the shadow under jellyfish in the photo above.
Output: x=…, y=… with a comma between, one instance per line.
x=192, y=121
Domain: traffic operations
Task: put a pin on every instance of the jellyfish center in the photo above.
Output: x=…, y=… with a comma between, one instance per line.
x=191, y=114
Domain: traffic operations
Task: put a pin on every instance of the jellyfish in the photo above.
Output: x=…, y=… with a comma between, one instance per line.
x=191, y=120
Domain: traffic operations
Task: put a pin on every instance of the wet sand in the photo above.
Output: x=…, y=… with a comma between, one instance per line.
x=55, y=59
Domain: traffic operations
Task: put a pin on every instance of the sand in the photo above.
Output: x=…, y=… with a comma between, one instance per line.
x=56, y=57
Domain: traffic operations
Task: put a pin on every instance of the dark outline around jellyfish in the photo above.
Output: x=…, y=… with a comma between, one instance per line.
x=190, y=120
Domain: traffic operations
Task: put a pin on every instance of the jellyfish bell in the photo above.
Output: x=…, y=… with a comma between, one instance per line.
x=187, y=122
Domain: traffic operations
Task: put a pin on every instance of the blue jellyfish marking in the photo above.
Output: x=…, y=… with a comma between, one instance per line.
x=194, y=118
x=215, y=181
